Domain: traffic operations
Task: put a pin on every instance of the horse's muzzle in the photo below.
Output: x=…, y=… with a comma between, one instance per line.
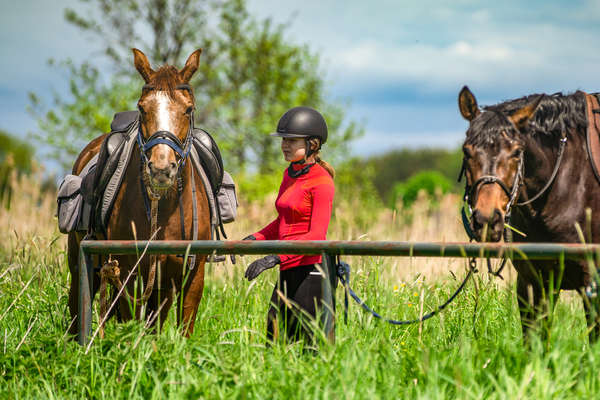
x=162, y=178
x=487, y=228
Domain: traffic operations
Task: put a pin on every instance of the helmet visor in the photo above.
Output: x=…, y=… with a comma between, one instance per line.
x=288, y=135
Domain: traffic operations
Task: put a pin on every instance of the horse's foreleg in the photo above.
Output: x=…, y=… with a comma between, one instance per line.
x=73, y=260
x=190, y=297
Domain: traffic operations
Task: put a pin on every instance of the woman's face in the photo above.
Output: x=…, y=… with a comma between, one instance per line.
x=294, y=149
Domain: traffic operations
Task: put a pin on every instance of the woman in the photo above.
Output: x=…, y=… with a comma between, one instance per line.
x=304, y=207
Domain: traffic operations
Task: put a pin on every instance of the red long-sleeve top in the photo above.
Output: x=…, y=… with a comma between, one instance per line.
x=304, y=206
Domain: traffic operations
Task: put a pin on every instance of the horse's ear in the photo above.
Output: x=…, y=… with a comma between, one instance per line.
x=522, y=116
x=467, y=104
x=191, y=65
x=142, y=65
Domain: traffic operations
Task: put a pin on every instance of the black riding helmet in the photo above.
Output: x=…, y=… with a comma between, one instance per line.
x=302, y=122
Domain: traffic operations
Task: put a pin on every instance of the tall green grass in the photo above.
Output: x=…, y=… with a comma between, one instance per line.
x=472, y=350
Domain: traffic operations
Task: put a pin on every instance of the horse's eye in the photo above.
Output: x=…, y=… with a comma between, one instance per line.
x=141, y=109
x=189, y=110
x=467, y=153
x=516, y=153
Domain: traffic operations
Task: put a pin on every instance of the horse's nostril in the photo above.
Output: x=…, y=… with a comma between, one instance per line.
x=150, y=165
x=478, y=219
x=173, y=165
x=496, y=219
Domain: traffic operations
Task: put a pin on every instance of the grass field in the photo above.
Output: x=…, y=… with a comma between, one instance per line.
x=472, y=350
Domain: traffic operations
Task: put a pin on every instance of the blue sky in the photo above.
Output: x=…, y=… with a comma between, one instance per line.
x=399, y=64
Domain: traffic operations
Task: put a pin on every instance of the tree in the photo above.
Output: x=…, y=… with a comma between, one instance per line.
x=15, y=158
x=399, y=165
x=249, y=75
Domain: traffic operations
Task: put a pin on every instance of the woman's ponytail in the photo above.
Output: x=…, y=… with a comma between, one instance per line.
x=315, y=143
x=325, y=165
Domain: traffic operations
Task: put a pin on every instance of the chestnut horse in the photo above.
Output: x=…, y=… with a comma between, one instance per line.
x=166, y=120
x=527, y=160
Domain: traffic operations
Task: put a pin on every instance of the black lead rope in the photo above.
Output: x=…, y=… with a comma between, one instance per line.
x=343, y=272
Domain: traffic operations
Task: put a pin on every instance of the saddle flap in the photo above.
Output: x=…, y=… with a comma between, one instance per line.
x=593, y=132
x=123, y=120
x=210, y=157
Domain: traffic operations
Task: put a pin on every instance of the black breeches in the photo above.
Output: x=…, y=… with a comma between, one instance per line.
x=298, y=299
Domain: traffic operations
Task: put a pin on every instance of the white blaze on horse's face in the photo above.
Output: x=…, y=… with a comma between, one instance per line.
x=163, y=112
x=162, y=156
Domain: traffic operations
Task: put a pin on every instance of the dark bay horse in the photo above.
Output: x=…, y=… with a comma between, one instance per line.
x=160, y=170
x=527, y=159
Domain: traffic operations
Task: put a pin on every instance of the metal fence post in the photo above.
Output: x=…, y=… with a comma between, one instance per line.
x=85, y=298
x=328, y=311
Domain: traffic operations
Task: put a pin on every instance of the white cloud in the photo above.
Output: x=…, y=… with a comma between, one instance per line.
x=537, y=57
x=431, y=65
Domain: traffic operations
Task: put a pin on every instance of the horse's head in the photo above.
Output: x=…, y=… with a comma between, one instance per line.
x=166, y=108
x=493, y=162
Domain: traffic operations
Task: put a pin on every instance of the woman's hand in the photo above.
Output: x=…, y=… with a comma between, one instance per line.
x=260, y=265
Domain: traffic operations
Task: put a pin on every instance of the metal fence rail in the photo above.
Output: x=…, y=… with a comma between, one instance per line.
x=519, y=251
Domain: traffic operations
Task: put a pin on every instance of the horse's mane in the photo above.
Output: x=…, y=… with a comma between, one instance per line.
x=555, y=114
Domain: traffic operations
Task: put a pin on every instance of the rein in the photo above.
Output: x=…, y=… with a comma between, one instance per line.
x=343, y=273
x=471, y=192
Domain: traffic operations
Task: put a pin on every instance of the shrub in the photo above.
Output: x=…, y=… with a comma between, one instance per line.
x=432, y=182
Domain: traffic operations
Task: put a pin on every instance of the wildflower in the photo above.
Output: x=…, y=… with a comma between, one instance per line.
x=395, y=288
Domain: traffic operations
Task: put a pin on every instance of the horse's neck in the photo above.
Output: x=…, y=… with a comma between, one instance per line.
x=544, y=164
x=540, y=158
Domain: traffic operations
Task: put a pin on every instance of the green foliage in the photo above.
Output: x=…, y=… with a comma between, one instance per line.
x=399, y=165
x=249, y=75
x=255, y=187
x=354, y=190
x=69, y=124
x=15, y=153
x=15, y=158
x=432, y=183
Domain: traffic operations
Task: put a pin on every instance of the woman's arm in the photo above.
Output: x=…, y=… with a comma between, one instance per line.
x=269, y=232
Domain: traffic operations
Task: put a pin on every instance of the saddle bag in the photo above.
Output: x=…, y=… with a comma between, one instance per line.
x=73, y=211
x=227, y=199
x=70, y=203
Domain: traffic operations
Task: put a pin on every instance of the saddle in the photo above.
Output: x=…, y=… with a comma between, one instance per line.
x=593, y=131
x=102, y=176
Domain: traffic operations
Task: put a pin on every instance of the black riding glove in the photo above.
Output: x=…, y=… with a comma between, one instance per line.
x=260, y=265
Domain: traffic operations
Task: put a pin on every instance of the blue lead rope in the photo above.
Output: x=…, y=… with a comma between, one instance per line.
x=343, y=272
